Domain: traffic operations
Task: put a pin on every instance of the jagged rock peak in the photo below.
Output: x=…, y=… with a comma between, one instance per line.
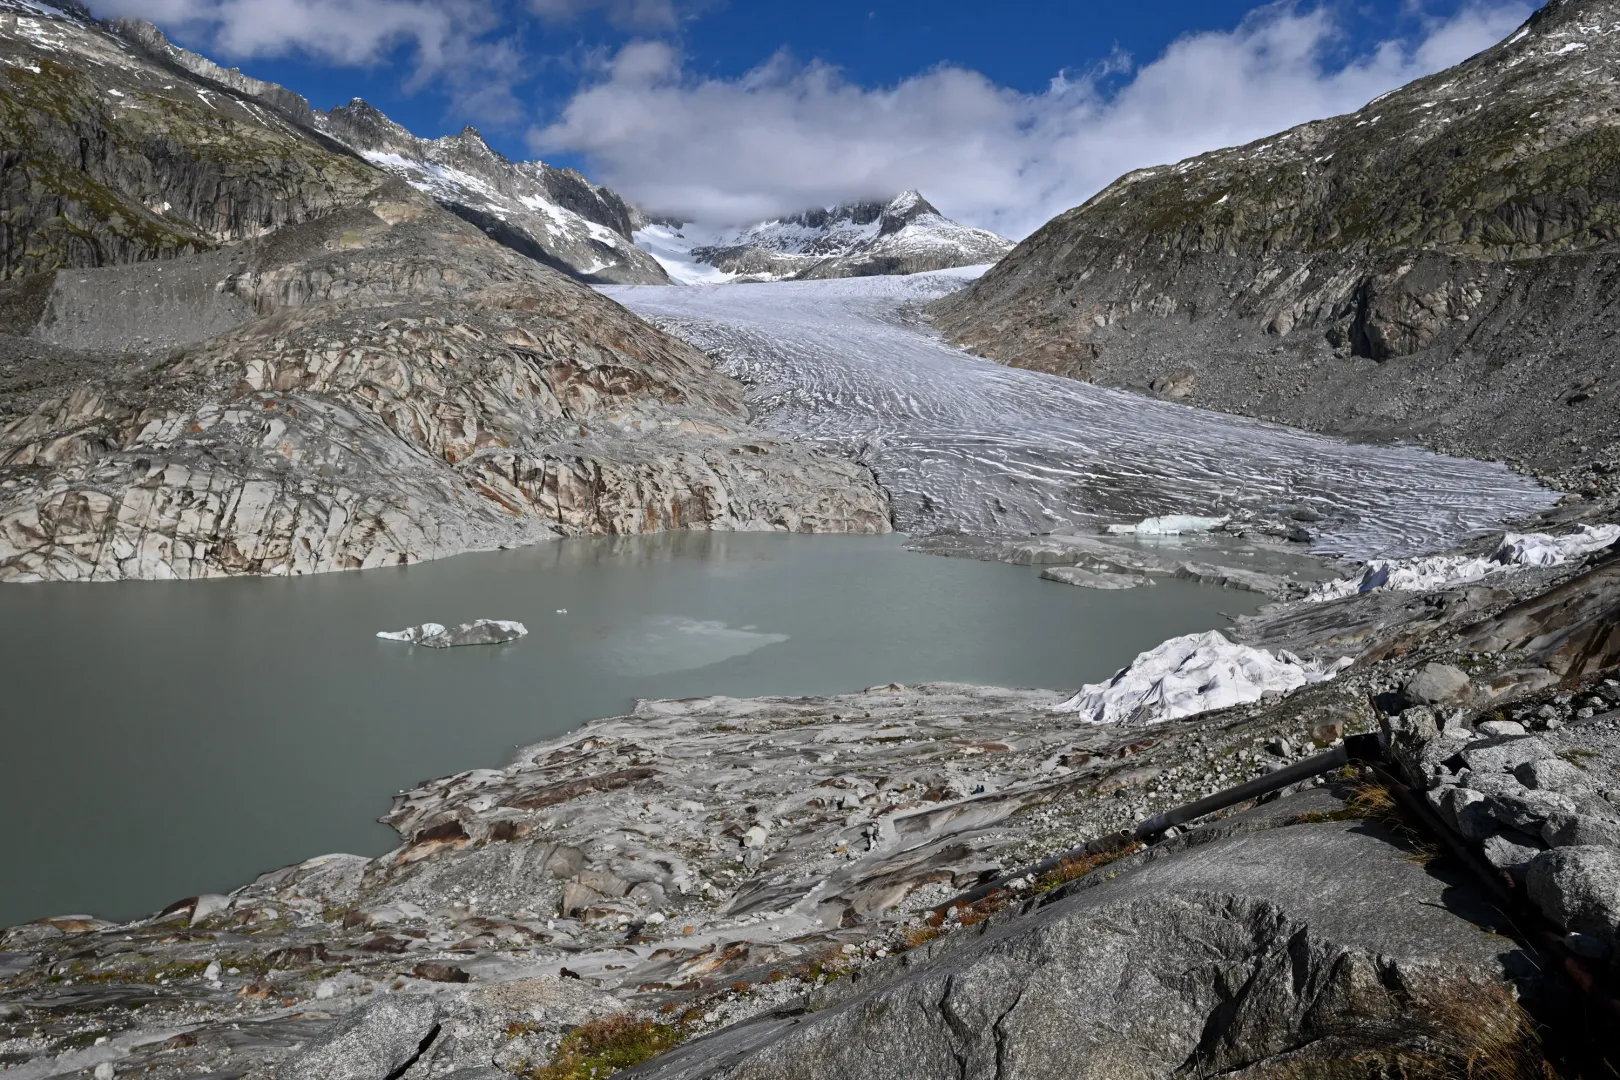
x=70, y=9
x=903, y=235
x=156, y=44
x=555, y=216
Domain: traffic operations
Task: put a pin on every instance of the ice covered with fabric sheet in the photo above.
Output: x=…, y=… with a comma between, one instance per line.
x=1515, y=551
x=478, y=632
x=1193, y=674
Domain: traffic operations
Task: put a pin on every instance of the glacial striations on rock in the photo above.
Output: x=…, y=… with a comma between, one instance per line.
x=1440, y=265
x=905, y=235
x=346, y=376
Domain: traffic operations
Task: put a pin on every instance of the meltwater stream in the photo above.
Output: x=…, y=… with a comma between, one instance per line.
x=965, y=444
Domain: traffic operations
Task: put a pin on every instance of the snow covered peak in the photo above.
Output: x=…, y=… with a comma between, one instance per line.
x=903, y=235
x=56, y=9
x=554, y=216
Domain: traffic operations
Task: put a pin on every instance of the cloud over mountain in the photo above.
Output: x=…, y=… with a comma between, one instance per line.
x=791, y=134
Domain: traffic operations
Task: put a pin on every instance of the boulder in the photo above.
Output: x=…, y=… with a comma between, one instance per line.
x=1580, y=830
x=1553, y=774
x=1437, y=684
x=1505, y=754
x=1512, y=851
x=1579, y=889
x=373, y=1042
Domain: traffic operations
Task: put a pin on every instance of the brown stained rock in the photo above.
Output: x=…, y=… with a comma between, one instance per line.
x=445, y=973
x=1572, y=630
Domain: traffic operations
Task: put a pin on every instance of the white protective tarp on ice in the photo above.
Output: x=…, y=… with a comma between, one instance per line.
x=478, y=632
x=1169, y=525
x=1193, y=674
x=1445, y=571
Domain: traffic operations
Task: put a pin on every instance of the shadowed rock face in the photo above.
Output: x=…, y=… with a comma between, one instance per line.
x=1439, y=265
x=112, y=156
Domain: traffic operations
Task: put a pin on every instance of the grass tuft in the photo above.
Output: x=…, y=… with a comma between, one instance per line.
x=606, y=1046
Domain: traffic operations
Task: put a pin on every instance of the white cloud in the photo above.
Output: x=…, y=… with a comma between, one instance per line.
x=452, y=40
x=789, y=135
x=639, y=14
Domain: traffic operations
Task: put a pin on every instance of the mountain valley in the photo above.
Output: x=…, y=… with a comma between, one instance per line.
x=1357, y=818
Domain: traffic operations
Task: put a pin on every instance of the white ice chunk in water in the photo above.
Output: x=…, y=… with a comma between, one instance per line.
x=1193, y=674
x=1447, y=571
x=1169, y=525
x=478, y=632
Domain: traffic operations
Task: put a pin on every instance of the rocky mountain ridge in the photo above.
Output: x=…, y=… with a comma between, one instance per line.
x=905, y=235
x=1439, y=265
x=554, y=216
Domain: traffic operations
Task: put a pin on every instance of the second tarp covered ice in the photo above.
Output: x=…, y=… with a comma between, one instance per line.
x=1445, y=571
x=1193, y=674
x=478, y=632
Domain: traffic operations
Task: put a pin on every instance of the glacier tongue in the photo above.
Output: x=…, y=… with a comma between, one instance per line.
x=966, y=445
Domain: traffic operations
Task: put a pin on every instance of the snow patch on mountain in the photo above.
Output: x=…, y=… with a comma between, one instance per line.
x=552, y=215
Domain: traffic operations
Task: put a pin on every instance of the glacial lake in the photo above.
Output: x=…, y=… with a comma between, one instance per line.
x=167, y=739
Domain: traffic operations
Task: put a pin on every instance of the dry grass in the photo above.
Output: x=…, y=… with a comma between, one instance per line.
x=1070, y=869
x=603, y=1047
x=1453, y=1030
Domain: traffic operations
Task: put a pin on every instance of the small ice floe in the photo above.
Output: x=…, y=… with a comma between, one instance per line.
x=478, y=632
x=1445, y=571
x=1193, y=674
x=1169, y=525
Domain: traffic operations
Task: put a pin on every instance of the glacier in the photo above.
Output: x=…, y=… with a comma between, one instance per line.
x=966, y=445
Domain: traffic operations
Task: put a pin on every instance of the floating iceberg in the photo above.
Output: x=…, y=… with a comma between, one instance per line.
x=1193, y=674
x=1445, y=571
x=478, y=632
x=1169, y=525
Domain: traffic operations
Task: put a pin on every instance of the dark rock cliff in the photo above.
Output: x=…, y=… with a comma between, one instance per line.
x=107, y=156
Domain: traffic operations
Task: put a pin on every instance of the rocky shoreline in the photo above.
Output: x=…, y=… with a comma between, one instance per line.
x=761, y=879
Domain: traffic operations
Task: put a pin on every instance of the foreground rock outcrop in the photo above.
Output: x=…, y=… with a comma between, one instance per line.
x=1436, y=266
x=356, y=378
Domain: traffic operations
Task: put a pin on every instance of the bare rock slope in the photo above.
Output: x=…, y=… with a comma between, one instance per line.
x=305, y=365
x=1440, y=265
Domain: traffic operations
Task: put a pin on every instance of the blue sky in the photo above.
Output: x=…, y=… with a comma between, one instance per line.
x=1002, y=113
